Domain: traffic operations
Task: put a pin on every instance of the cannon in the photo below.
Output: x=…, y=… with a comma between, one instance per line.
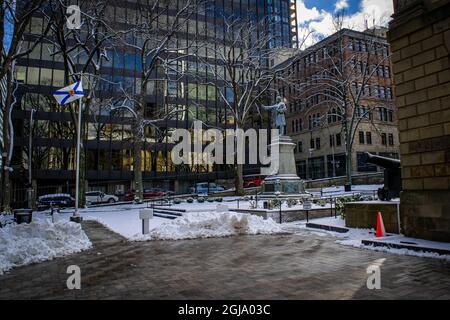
x=392, y=176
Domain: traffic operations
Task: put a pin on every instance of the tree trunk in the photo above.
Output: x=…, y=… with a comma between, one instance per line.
x=349, y=166
x=7, y=144
x=239, y=179
x=137, y=157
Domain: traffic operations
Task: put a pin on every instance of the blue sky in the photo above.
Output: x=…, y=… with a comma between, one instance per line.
x=316, y=15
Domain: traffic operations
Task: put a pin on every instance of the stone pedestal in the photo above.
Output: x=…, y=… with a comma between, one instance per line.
x=286, y=180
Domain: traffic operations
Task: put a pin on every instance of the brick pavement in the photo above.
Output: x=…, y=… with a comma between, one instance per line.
x=298, y=266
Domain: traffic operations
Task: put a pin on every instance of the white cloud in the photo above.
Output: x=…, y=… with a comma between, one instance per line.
x=341, y=4
x=376, y=12
x=305, y=14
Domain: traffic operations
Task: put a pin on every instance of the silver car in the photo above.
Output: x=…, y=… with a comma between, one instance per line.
x=100, y=197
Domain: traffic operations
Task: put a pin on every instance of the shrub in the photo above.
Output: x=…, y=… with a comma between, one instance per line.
x=291, y=203
x=189, y=200
x=219, y=199
x=200, y=199
x=177, y=201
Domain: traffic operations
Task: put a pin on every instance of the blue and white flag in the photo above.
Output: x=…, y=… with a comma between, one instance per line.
x=70, y=93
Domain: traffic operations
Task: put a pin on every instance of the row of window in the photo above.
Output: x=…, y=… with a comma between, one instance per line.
x=377, y=91
x=315, y=144
x=366, y=138
x=361, y=45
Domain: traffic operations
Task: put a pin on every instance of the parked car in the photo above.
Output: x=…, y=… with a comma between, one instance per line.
x=61, y=200
x=99, y=197
x=252, y=181
x=148, y=194
x=203, y=187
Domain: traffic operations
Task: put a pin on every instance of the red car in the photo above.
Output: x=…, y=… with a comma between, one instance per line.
x=148, y=194
x=253, y=181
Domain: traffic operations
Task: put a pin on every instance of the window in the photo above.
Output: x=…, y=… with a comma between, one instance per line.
x=318, y=143
x=311, y=144
x=391, y=139
x=387, y=72
x=369, y=137
x=331, y=140
x=367, y=90
x=376, y=92
x=383, y=139
x=361, y=137
x=338, y=139
x=383, y=92
x=300, y=147
x=389, y=92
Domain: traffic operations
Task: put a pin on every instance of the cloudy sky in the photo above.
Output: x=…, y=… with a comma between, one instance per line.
x=316, y=15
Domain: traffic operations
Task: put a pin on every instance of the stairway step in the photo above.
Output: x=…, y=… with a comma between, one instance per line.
x=168, y=212
x=164, y=216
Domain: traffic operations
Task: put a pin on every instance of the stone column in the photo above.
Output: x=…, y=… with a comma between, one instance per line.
x=420, y=42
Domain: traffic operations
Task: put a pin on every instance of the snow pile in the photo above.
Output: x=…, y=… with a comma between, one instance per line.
x=211, y=224
x=39, y=241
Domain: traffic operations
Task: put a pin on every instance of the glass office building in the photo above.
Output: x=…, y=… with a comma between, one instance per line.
x=108, y=140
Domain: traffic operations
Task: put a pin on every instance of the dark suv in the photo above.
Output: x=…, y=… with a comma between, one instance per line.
x=60, y=200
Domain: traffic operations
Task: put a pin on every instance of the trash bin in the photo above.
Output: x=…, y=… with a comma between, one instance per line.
x=23, y=215
x=348, y=187
x=265, y=204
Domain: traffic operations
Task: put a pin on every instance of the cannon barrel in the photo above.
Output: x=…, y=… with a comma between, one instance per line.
x=384, y=162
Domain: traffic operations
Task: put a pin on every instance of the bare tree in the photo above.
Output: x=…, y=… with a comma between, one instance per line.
x=339, y=79
x=154, y=40
x=241, y=71
x=83, y=52
x=15, y=17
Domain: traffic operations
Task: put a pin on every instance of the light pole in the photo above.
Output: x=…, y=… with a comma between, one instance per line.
x=30, y=157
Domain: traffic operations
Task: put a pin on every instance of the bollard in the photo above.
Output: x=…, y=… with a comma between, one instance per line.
x=145, y=215
x=55, y=216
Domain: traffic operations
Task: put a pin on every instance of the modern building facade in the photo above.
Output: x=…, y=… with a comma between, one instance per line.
x=108, y=142
x=420, y=38
x=316, y=90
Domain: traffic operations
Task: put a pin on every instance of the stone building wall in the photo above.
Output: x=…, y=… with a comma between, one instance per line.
x=420, y=42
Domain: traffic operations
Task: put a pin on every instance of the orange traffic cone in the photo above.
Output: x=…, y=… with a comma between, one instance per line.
x=381, y=232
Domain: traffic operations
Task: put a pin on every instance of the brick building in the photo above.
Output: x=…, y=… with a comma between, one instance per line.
x=420, y=40
x=346, y=73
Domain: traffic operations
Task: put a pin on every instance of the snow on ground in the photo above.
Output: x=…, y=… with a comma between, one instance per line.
x=364, y=189
x=200, y=221
x=354, y=237
x=211, y=224
x=39, y=241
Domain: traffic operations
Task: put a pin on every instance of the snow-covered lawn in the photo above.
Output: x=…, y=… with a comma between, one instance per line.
x=355, y=236
x=39, y=241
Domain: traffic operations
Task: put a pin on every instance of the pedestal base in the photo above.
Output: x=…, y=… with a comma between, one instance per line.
x=286, y=180
x=283, y=183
